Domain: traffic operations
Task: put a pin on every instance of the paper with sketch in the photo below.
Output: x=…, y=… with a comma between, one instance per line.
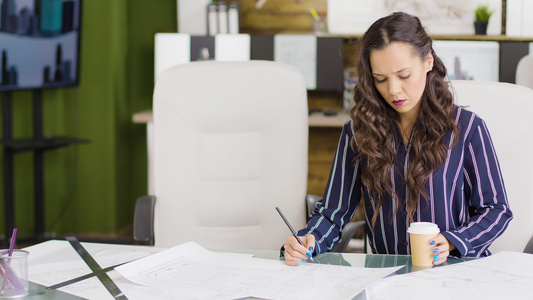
x=189, y=267
x=56, y=261
x=299, y=51
x=505, y=275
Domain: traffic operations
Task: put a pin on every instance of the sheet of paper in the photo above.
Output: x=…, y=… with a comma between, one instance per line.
x=56, y=261
x=299, y=51
x=190, y=268
x=232, y=47
x=505, y=275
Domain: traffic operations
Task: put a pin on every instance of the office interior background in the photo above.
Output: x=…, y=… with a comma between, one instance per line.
x=90, y=189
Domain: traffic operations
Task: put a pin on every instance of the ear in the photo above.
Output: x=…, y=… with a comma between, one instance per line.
x=429, y=61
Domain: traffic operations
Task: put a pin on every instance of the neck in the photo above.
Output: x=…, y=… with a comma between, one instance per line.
x=405, y=129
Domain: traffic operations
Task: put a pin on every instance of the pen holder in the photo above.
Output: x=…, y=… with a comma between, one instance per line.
x=319, y=25
x=13, y=273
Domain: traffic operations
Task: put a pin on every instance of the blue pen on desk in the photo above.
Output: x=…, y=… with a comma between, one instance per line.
x=291, y=229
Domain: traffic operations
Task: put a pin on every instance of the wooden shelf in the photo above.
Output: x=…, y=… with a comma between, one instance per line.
x=316, y=119
x=143, y=117
x=446, y=37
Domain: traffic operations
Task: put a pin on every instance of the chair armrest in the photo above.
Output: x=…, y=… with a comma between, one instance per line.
x=529, y=246
x=347, y=234
x=349, y=230
x=310, y=201
x=143, y=220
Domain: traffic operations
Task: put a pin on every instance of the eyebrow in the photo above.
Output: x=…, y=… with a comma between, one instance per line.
x=399, y=71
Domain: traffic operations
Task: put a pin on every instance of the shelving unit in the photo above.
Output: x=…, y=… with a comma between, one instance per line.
x=38, y=144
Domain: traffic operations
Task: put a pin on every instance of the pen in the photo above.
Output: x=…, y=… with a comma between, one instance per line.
x=314, y=14
x=291, y=229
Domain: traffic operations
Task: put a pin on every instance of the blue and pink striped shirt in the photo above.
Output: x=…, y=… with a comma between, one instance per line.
x=467, y=197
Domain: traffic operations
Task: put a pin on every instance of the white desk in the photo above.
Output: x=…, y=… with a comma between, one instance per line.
x=56, y=261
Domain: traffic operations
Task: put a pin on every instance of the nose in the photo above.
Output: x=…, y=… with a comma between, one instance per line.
x=394, y=86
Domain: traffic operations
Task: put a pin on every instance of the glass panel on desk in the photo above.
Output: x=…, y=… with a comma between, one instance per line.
x=376, y=261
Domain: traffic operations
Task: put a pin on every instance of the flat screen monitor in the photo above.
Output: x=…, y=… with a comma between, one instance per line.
x=39, y=44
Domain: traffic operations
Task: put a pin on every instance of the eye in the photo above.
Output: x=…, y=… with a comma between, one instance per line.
x=380, y=80
x=405, y=77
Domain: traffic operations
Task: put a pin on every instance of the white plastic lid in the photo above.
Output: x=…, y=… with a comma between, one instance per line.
x=423, y=228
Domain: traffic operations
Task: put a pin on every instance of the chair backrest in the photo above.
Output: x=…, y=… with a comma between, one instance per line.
x=506, y=109
x=230, y=144
x=524, y=71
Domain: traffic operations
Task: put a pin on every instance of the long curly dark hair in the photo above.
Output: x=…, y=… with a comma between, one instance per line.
x=376, y=130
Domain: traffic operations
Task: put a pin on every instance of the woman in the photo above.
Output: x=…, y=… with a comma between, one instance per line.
x=411, y=153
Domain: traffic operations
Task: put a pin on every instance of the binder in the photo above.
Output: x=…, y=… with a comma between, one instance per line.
x=222, y=18
x=212, y=19
x=233, y=18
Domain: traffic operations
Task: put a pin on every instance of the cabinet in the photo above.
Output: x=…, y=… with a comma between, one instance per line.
x=38, y=144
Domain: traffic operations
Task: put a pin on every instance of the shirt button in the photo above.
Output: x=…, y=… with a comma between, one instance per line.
x=405, y=213
x=406, y=243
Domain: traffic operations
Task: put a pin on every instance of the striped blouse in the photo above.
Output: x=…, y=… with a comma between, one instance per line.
x=467, y=197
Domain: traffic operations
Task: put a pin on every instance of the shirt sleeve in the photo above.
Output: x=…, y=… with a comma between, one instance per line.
x=341, y=197
x=488, y=209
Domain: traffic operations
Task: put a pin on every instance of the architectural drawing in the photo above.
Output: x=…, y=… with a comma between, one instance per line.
x=431, y=10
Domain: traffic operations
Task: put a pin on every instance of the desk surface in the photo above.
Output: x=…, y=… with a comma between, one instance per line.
x=52, y=255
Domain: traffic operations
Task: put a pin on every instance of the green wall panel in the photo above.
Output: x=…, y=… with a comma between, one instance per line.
x=92, y=188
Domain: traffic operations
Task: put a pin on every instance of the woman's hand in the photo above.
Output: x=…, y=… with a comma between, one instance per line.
x=441, y=250
x=296, y=253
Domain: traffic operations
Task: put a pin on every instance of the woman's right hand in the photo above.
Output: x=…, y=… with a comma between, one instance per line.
x=296, y=253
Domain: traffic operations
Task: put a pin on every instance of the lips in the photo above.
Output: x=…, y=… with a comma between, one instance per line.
x=398, y=102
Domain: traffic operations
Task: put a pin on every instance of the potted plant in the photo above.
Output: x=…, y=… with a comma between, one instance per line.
x=483, y=14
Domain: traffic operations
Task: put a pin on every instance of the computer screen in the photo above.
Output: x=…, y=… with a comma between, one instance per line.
x=39, y=44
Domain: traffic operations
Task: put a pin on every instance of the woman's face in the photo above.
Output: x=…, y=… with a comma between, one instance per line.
x=400, y=77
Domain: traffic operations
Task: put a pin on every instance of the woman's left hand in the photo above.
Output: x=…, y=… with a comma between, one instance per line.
x=441, y=250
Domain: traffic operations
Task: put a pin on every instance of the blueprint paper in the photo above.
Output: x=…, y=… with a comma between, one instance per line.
x=189, y=268
x=56, y=261
x=505, y=275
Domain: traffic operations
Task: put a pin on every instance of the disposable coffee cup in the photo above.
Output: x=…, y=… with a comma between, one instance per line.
x=420, y=235
x=13, y=273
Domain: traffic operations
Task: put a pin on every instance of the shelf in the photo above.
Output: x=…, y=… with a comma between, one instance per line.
x=44, y=143
x=142, y=117
x=449, y=37
x=316, y=119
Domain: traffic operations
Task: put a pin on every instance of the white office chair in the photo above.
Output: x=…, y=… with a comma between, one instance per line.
x=230, y=144
x=506, y=109
x=524, y=71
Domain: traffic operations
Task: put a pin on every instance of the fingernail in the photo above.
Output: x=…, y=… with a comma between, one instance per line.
x=435, y=262
x=303, y=259
x=297, y=264
x=436, y=257
x=311, y=249
x=308, y=254
x=436, y=250
x=432, y=243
